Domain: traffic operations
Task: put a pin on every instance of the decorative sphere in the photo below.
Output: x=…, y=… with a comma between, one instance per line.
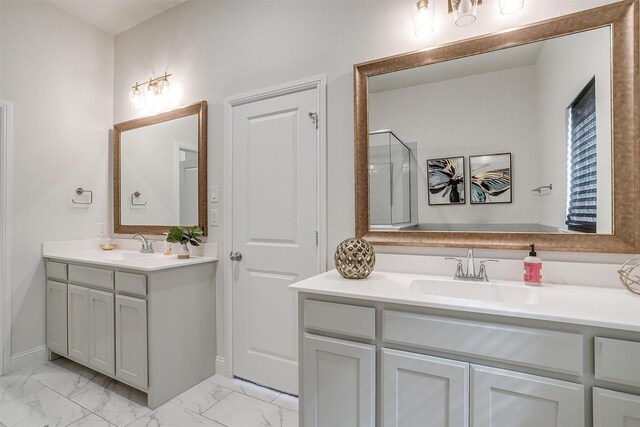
x=630, y=280
x=354, y=258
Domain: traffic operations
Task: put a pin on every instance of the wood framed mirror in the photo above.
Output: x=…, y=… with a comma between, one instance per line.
x=449, y=154
x=160, y=171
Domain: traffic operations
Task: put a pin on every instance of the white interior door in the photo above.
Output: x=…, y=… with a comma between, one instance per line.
x=274, y=150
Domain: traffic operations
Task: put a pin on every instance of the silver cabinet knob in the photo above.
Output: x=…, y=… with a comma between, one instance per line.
x=235, y=256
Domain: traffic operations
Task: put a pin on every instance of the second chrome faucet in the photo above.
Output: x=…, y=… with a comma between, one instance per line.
x=470, y=273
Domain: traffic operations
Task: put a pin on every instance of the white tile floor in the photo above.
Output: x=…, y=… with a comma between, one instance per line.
x=63, y=393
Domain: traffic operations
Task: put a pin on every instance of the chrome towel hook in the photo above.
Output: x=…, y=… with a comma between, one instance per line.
x=80, y=191
x=137, y=194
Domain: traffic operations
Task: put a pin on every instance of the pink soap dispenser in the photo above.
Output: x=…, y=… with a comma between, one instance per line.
x=532, y=268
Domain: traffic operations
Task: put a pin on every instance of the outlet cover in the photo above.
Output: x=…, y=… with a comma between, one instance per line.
x=102, y=229
x=213, y=217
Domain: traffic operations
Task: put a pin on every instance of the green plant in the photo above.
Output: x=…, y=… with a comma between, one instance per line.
x=185, y=235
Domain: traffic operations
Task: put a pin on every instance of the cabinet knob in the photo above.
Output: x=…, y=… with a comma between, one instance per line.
x=235, y=256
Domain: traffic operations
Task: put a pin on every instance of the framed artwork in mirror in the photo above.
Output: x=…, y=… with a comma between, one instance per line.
x=490, y=181
x=446, y=181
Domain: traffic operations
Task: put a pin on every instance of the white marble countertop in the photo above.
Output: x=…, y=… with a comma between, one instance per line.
x=88, y=252
x=602, y=307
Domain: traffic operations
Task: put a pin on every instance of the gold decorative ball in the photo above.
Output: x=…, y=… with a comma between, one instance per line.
x=629, y=276
x=354, y=258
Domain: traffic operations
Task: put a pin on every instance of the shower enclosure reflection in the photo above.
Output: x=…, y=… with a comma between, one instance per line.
x=392, y=181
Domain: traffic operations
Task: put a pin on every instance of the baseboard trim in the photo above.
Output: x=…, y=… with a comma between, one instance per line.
x=221, y=366
x=27, y=358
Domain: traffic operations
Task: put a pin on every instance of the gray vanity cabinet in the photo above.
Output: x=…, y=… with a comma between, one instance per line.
x=131, y=340
x=339, y=378
x=101, y=332
x=153, y=330
x=501, y=398
x=57, y=317
x=615, y=409
x=417, y=387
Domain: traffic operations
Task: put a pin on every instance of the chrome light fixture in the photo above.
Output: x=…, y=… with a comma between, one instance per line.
x=507, y=7
x=423, y=17
x=464, y=13
x=157, y=96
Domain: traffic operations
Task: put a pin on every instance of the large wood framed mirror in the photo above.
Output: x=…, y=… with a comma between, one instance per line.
x=160, y=171
x=524, y=136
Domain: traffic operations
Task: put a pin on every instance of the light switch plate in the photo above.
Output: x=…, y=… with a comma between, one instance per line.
x=213, y=193
x=213, y=217
x=102, y=229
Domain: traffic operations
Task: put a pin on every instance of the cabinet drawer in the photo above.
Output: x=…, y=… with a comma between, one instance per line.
x=617, y=361
x=91, y=276
x=340, y=318
x=131, y=283
x=536, y=348
x=56, y=270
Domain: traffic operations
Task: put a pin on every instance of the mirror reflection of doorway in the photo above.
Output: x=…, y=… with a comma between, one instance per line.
x=188, y=186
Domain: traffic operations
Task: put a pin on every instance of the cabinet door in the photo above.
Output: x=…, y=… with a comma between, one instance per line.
x=615, y=409
x=131, y=340
x=101, y=331
x=57, y=317
x=416, y=388
x=338, y=383
x=78, y=323
x=502, y=398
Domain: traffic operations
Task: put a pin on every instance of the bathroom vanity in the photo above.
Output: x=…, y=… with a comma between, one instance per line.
x=145, y=320
x=395, y=349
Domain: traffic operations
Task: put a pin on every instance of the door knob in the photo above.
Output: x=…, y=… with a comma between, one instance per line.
x=235, y=256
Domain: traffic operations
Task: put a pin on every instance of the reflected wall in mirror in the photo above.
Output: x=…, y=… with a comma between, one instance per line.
x=160, y=171
x=540, y=95
x=516, y=100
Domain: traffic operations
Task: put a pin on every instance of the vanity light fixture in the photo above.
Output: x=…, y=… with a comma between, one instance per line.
x=157, y=96
x=464, y=13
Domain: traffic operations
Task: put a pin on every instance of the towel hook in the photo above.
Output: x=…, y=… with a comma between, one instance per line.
x=137, y=194
x=539, y=189
x=80, y=191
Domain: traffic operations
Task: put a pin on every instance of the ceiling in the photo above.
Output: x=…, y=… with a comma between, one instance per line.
x=114, y=16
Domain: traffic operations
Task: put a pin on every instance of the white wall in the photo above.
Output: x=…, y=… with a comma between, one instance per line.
x=149, y=166
x=486, y=113
x=58, y=72
x=565, y=66
x=225, y=48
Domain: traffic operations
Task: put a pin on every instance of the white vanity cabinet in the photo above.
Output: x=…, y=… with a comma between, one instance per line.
x=153, y=330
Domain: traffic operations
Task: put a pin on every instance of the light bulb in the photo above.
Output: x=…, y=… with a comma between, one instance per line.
x=136, y=99
x=465, y=7
x=508, y=7
x=423, y=16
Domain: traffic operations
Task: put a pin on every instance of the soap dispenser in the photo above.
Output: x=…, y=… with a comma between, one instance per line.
x=532, y=268
x=167, y=245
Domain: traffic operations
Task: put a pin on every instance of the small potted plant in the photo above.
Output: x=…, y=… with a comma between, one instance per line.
x=184, y=235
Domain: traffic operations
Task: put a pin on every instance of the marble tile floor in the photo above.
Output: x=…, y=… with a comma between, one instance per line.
x=64, y=393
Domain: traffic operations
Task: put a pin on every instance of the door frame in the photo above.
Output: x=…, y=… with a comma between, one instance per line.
x=320, y=84
x=6, y=146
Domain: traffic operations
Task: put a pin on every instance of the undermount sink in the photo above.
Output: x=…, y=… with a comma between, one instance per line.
x=485, y=291
x=123, y=256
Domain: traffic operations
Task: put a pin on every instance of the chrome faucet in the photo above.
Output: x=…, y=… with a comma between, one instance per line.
x=470, y=274
x=147, y=245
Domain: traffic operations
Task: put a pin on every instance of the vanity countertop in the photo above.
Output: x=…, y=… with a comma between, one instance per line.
x=118, y=258
x=594, y=306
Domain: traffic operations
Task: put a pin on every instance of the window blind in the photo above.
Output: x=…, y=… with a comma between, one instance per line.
x=582, y=165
